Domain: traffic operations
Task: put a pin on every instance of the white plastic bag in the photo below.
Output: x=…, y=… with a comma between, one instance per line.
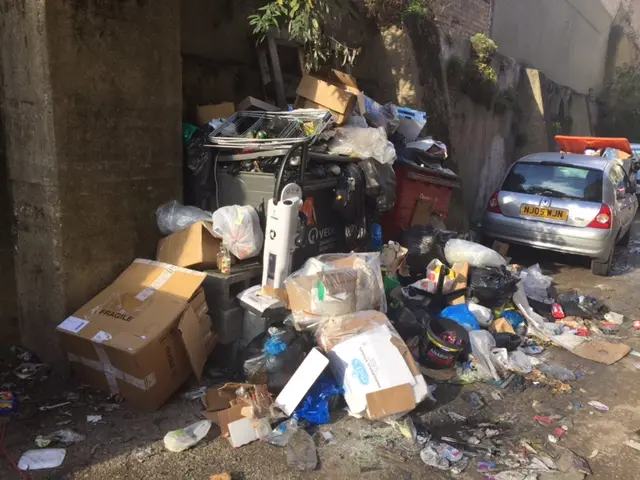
x=474, y=254
x=42, y=459
x=239, y=228
x=180, y=440
x=363, y=143
x=482, y=343
x=482, y=314
x=536, y=283
x=174, y=217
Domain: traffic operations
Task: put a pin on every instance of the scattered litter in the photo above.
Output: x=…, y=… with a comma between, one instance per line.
x=28, y=370
x=93, y=419
x=558, y=372
x=194, y=394
x=633, y=444
x=599, y=406
x=615, y=318
x=569, y=462
x=483, y=466
x=63, y=437
x=543, y=420
x=301, y=451
x=42, y=459
x=497, y=396
x=221, y=476
x=328, y=438
x=431, y=458
x=457, y=418
x=46, y=408
x=180, y=440
x=552, y=438
x=474, y=399
x=594, y=454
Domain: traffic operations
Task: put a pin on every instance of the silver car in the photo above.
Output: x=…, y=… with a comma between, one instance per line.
x=563, y=202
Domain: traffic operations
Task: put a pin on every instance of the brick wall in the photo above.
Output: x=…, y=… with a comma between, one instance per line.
x=463, y=18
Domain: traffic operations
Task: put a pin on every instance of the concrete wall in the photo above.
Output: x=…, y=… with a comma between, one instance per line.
x=566, y=39
x=219, y=62
x=91, y=111
x=463, y=18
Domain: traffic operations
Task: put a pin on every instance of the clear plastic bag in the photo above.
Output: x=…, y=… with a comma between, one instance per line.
x=174, y=217
x=558, y=372
x=333, y=285
x=474, y=254
x=180, y=440
x=482, y=314
x=363, y=143
x=536, y=284
x=240, y=230
x=482, y=343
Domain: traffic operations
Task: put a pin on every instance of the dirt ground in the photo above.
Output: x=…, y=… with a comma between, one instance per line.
x=128, y=445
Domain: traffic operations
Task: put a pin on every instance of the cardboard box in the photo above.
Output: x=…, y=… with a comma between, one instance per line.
x=330, y=90
x=206, y=113
x=252, y=103
x=240, y=421
x=302, y=380
x=332, y=285
x=373, y=364
x=143, y=335
x=194, y=247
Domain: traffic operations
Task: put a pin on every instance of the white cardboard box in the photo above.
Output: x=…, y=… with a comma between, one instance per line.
x=305, y=376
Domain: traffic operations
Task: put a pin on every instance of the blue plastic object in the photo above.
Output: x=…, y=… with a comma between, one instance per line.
x=274, y=346
x=314, y=407
x=376, y=237
x=514, y=318
x=462, y=315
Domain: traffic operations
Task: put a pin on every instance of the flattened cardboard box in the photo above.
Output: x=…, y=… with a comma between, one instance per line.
x=193, y=247
x=206, y=113
x=143, y=335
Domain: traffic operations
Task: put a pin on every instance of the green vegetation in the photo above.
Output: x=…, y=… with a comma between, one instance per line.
x=304, y=21
x=396, y=12
x=483, y=47
x=620, y=105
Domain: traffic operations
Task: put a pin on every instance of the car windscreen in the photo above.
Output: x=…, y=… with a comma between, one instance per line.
x=555, y=180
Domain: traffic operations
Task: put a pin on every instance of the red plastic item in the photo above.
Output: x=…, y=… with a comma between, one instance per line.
x=413, y=183
x=583, y=332
x=545, y=420
x=636, y=325
x=559, y=432
x=557, y=312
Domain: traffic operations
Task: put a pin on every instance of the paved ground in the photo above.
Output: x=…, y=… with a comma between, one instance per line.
x=126, y=445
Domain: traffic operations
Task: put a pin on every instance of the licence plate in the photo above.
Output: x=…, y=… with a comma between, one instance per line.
x=544, y=212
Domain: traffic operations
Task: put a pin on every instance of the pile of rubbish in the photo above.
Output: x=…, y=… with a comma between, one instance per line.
x=304, y=328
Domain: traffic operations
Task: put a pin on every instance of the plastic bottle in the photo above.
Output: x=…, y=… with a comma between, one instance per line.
x=224, y=261
x=180, y=440
x=301, y=451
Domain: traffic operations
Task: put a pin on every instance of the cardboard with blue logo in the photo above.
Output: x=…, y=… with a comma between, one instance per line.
x=373, y=364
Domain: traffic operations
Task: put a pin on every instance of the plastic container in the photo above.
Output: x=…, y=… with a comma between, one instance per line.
x=180, y=440
x=438, y=353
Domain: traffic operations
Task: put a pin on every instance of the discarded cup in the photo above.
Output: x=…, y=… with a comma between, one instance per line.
x=180, y=440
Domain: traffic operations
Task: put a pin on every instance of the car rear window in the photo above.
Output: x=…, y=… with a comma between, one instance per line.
x=555, y=180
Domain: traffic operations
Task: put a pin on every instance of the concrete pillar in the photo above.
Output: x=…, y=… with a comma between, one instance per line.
x=91, y=109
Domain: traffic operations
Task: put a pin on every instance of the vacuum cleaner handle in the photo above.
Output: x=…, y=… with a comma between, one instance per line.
x=304, y=155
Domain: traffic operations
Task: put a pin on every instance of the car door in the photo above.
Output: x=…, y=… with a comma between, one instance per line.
x=631, y=196
x=623, y=206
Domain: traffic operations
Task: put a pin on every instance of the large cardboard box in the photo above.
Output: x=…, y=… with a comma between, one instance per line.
x=373, y=364
x=143, y=335
x=193, y=247
x=331, y=90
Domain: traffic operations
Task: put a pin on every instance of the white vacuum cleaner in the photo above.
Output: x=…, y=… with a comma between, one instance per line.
x=281, y=236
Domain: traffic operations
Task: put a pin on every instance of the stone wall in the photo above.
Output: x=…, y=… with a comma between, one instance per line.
x=91, y=110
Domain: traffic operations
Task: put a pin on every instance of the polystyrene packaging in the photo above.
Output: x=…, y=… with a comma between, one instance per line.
x=174, y=217
x=363, y=143
x=239, y=228
x=474, y=254
x=333, y=285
